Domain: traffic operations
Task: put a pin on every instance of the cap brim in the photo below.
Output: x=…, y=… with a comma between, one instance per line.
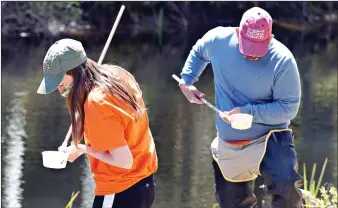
x=258, y=49
x=50, y=83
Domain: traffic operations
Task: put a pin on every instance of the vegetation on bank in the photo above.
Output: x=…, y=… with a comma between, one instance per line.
x=23, y=19
x=312, y=187
x=72, y=199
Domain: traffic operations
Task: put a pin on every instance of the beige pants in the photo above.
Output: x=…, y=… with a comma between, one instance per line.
x=240, y=163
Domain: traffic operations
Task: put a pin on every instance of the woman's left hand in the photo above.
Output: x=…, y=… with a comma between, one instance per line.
x=73, y=152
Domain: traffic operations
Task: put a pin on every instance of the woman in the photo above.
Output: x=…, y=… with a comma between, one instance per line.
x=106, y=108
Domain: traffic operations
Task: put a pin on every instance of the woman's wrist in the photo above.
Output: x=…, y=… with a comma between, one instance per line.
x=82, y=148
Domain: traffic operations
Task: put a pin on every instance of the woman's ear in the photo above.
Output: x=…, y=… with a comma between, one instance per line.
x=237, y=31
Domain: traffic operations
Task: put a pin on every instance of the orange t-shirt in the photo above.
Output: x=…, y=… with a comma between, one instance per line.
x=110, y=124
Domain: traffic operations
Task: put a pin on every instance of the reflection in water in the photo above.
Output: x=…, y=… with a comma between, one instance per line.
x=13, y=156
x=182, y=131
x=87, y=185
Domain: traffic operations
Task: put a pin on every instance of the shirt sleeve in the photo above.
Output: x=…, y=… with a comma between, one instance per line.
x=105, y=123
x=286, y=98
x=198, y=58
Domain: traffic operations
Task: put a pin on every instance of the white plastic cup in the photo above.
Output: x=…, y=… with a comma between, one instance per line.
x=54, y=159
x=241, y=121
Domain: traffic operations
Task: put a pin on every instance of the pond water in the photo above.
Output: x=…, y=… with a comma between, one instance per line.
x=33, y=123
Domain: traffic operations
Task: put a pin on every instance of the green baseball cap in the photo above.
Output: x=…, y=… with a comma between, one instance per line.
x=62, y=56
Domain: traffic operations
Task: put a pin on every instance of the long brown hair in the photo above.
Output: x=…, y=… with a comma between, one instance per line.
x=86, y=77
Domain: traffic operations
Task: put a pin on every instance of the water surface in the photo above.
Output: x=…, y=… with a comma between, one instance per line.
x=32, y=123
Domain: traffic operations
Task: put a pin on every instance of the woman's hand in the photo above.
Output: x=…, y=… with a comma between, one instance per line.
x=73, y=152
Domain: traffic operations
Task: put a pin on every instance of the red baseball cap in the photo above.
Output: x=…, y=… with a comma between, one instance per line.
x=255, y=32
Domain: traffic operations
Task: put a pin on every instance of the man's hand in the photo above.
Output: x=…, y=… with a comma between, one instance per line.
x=226, y=114
x=192, y=94
x=73, y=152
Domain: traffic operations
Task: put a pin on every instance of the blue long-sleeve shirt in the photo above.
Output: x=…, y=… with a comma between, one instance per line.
x=269, y=89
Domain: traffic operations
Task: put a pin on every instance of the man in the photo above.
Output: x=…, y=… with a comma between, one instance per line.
x=253, y=74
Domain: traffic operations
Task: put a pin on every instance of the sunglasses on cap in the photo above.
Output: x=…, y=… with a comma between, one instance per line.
x=251, y=58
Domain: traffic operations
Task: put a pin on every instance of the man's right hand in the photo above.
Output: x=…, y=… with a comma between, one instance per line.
x=192, y=94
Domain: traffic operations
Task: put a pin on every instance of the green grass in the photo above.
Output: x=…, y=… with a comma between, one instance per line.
x=71, y=201
x=311, y=189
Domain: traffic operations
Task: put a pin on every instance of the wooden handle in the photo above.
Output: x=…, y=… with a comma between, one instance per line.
x=112, y=32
